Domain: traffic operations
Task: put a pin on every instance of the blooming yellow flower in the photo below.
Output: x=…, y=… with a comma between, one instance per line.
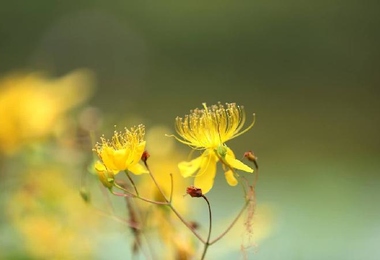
x=208, y=129
x=122, y=152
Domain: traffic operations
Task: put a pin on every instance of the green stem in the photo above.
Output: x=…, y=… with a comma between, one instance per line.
x=155, y=182
x=232, y=224
x=129, y=194
x=171, y=188
x=132, y=182
x=186, y=224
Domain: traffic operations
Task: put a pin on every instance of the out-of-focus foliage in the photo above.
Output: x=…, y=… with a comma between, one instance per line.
x=42, y=160
x=50, y=216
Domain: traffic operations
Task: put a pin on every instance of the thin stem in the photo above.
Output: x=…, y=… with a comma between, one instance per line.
x=256, y=178
x=129, y=194
x=133, y=218
x=121, y=187
x=207, y=244
x=155, y=182
x=132, y=182
x=186, y=224
x=107, y=196
x=248, y=200
x=117, y=219
x=171, y=188
x=232, y=224
x=243, y=186
x=171, y=206
x=130, y=224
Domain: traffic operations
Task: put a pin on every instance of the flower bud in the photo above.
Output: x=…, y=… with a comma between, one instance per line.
x=106, y=178
x=251, y=157
x=194, y=192
x=145, y=156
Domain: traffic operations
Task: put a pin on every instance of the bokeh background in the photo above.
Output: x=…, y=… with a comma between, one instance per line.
x=308, y=69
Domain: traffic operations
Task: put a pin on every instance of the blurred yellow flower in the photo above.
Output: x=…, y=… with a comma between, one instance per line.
x=53, y=222
x=175, y=242
x=208, y=129
x=122, y=152
x=249, y=231
x=32, y=104
x=163, y=161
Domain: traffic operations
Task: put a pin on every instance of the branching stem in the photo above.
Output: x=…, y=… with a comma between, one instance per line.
x=169, y=203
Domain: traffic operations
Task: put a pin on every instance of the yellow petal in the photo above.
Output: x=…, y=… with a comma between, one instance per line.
x=137, y=153
x=120, y=158
x=188, y=168
x=206, y=174
x=107, y=157
x=230, y=178
x=234, y=163
x=137, y=169
x=105, y=177
x=99, y=166
x=141, y=147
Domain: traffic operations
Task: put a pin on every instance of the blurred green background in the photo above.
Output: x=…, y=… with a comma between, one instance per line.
x=308, y=69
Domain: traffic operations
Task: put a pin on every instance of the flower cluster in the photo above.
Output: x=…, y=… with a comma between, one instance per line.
x=206, y=130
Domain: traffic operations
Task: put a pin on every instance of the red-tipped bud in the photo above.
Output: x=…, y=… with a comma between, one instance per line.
x=194, y=192
x=251, y=157
x=145, y=156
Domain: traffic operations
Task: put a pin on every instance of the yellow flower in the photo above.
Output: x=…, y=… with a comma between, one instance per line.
x=33, y=105
x=51, y=221
x=208, y=129
x=122, y=152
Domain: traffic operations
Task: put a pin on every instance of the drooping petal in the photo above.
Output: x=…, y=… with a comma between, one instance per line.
x=187, y=169
x=137, y=169
x=230, y=178
x=206, y=174
x=234, y=163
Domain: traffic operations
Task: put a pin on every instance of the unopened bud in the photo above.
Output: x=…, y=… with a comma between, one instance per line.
x=106, y=178
x=145, y=156
x=251, y=157
x=194, y=192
